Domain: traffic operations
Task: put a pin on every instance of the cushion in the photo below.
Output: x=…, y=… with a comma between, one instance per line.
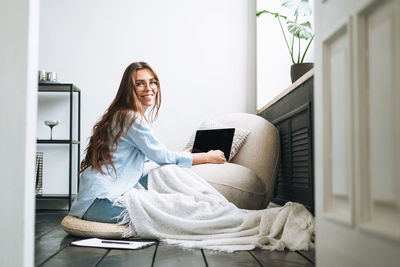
x=78, y=227
x=238, y=184
x=238, y=139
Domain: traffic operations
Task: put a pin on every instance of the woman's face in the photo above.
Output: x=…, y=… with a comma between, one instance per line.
x=146, y=86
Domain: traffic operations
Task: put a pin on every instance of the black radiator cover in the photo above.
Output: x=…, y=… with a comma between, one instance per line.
x=293, y=116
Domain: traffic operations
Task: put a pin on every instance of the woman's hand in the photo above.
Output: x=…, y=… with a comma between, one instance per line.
x=215, y=156
x=212, y=156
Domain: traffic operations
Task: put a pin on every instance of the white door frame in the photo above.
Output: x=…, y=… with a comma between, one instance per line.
x=19, y=33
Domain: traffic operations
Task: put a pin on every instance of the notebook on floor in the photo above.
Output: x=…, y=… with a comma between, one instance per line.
x=215, y=139
x=117, y=244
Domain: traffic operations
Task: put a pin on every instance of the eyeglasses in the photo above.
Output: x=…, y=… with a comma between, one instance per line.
x=142, y=85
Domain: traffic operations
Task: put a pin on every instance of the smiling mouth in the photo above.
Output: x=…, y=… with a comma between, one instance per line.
x=147, y=95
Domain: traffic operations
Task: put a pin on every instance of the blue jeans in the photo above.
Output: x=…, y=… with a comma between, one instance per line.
x=103, y=211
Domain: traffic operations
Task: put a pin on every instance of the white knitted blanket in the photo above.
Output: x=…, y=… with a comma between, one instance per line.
x=181, y=208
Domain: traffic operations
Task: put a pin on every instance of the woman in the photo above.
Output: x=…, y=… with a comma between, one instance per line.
x=121, y=142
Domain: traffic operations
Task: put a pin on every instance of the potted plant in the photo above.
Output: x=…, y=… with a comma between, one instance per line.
x=297, y=29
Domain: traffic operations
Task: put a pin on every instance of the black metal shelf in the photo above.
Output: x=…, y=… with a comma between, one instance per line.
x=57, y=141
x=57, y=87
x=71, y=89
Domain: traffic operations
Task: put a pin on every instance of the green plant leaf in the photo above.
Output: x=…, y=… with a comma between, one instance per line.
x=275, y=14
x=302, y=30
x=301, y=7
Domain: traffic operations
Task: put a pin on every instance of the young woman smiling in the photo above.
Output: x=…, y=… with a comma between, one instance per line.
x=122, y=141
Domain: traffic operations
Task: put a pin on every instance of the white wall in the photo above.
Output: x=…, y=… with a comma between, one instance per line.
x=204, y=52
x=273, y=58
x=19, y=30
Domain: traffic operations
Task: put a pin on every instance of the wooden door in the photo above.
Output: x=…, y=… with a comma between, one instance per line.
x=357, y=132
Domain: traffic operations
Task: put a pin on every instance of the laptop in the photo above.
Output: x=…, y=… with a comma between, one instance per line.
x=215, y=139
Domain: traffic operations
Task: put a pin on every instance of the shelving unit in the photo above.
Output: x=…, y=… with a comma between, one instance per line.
x=71, y=89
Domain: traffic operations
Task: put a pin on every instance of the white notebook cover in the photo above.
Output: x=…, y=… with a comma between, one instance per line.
x=106, y=243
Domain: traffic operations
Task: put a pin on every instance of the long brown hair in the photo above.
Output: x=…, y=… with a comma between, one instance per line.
x=104, y=141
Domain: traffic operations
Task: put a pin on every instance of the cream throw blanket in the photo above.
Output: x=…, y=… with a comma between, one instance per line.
x=181, y=208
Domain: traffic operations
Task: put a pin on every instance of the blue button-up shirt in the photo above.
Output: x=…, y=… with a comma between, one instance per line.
x=129, y=157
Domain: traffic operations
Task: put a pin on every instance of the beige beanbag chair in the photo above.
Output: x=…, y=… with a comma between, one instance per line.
x=248, y=180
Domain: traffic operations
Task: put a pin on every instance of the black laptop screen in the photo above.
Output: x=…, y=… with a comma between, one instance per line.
x=215, y=139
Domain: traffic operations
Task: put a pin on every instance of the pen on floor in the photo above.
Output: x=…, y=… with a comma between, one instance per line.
x=115, y=242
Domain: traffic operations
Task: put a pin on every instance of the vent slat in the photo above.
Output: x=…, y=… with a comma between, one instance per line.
x=302, y=147
x=300, y=174
x=300, y=142
x=300, y=131
x=301, y=185
x=300, y=180
x=303, y=163
x=300, y=169
x=299, y=137
x=300, y=153
x=300, y=159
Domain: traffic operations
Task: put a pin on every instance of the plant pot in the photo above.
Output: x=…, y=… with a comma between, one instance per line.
x=298, y=70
